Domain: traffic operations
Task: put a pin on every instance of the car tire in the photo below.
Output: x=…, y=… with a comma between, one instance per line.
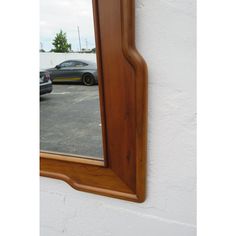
x=88, y=79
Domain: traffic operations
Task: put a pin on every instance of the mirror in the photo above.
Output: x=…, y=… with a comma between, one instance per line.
x=70, y=118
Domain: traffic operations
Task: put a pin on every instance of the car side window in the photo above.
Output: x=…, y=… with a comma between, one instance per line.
x=80, y=64
x=67, y=64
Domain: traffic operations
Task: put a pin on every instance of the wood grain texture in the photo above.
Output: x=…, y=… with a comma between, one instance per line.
x=123, y=99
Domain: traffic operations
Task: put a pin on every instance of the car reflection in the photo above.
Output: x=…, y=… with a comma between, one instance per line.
x=75, y=71
x=45, y=83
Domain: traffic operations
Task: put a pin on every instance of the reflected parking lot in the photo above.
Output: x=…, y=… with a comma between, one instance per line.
x=70, y=120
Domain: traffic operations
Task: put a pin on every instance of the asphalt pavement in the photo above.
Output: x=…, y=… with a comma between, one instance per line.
x=70, y=121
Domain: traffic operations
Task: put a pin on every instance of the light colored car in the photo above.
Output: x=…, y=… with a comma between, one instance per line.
x=45, y=83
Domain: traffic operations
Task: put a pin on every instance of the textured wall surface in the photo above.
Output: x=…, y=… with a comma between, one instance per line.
x=165, y=35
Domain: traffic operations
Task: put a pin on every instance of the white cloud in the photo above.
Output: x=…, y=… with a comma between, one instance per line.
x=66, y=15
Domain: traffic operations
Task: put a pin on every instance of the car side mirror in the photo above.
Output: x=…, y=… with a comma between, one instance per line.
x=57, y=66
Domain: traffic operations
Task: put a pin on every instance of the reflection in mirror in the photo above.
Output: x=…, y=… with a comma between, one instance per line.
x=70, y=121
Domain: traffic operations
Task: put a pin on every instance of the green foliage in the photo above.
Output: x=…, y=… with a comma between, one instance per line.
x=60, y=43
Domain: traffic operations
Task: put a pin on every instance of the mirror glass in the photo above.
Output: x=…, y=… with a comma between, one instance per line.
x=70, y=120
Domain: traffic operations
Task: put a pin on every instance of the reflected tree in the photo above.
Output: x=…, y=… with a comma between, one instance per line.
x=60, y=43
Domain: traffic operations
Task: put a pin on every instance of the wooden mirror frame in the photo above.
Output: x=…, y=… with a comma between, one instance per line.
x=123, y=102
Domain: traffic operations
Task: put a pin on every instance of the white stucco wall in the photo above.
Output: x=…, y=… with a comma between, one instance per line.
x=165, y=36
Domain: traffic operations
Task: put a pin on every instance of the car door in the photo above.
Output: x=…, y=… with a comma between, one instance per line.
x=64, y=73
x=76, y=71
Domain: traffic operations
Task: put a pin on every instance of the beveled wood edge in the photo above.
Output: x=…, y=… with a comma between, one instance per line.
x=85, y=177
x=141, y=76
x=128, y=194
x=100, y=79
x=70, y=158
x=92, y=189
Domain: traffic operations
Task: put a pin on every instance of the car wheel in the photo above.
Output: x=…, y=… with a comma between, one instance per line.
x=88, y=80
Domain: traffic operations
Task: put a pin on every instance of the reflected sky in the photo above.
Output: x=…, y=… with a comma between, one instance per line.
x=67, y=15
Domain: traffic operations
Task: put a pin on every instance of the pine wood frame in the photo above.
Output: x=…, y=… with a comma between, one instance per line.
x=123, y=102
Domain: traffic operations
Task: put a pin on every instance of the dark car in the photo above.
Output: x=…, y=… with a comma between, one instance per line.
x=75, y=71
x=45, y=83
